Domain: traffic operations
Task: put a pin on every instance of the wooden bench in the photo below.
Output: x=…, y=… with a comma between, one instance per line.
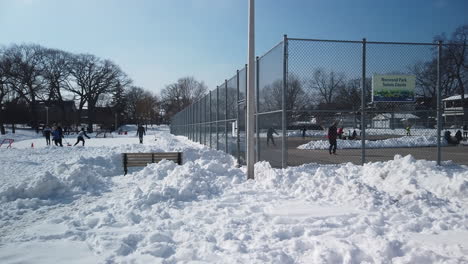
x=143, y=159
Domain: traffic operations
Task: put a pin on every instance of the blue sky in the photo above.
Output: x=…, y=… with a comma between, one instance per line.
x=156, y=42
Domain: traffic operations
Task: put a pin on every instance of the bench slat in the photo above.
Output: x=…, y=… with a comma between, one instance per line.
x=156, y=154
x=143, y=159
x=147, y=160
x=173, y=156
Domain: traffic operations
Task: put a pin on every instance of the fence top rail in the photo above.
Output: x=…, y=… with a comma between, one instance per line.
x=270, y=50
x=326, y=40
x=369, y=42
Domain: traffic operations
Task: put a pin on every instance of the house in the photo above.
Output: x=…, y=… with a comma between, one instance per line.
x=393, y=120
x=454, y=112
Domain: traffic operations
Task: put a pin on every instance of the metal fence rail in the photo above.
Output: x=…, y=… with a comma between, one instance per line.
x=305, y=85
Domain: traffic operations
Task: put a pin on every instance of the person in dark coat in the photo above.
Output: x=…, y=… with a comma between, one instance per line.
x=304, y=132
x=458, y=136
x=56, y=136
x=270, y=132
x=448, y=137
x=81, y=136
x=332, y=135
x=60, y=131
x=47, y=132
x=141, y=132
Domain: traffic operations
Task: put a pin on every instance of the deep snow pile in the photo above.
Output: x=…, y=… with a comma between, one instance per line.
x=402, y=142
x=74, y=205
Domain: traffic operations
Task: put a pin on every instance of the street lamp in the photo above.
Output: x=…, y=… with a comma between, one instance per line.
x=47, y=115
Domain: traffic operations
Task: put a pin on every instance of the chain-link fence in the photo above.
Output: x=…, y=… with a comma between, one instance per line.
x=311, y=105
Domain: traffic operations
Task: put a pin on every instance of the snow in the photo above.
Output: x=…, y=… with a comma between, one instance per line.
x=454, y=97
x=74, y=205
x=401, y=142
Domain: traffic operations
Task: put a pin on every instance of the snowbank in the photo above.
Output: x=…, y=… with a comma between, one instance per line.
x=77, y=202
x=402, y=142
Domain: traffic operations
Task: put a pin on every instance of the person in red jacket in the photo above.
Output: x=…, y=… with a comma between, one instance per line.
x=332, y=134
x=340, y=132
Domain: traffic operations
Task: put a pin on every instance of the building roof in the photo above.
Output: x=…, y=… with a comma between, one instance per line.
x=454, y=97
x=396, y=116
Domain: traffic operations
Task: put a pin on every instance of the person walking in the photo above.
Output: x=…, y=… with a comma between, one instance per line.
x=60, y=131
x=458, y=136
x=141, y=132
x=47, y=132
x=332, y=134
x=304, y=132
x=81, y=136
x=56, y=137
x=408, y=130
x=270, y=132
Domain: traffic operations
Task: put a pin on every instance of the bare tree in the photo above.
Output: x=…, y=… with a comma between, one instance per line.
x=132, y=99
x=177, y=96
x=457, y=61
x=5, y=87
x=326, y=84
x=56, y=73
x=92, y=78
x=296, y=98
x=25, y=74
x=147, y=109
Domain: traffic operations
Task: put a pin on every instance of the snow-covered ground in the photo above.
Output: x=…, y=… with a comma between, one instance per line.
x=401, y=142
x=427, y=132
x=73, y=205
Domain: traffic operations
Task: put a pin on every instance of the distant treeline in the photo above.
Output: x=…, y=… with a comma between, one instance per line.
x=33, y=77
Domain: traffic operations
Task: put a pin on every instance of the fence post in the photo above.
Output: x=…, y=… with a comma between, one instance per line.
x=217, y=117
x=237, y=120
x=189, y=112
x=226, y=149
x=199, y=107
x=439, y=104
x=206, y=121
x=284, y=147
x=211, y=124
x=200, y=121
x=257, y=106
x=195, y=122
x=363, y=104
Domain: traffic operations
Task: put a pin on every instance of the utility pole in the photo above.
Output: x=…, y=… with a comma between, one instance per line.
x=251, y=92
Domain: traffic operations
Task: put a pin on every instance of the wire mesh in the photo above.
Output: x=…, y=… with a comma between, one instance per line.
x=324, y=86
x=400, y=117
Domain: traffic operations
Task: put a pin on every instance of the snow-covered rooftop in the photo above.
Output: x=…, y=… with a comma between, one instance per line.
x=396, y=116
x=454, y=97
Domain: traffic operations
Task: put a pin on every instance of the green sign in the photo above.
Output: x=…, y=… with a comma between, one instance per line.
x=393, y=88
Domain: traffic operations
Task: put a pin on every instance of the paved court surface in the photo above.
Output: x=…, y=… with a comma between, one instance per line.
x=457, y=154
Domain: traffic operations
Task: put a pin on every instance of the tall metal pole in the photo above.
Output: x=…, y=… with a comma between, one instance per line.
x=284, y=139
x=363, y=104
x=439, y=104
x=251, y=92
x=47, y=117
